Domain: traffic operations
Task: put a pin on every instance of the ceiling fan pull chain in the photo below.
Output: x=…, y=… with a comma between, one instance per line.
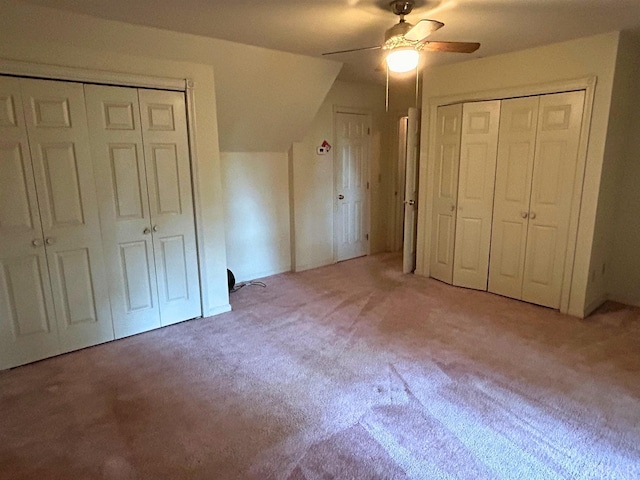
x=417, y=84
x=386, y=97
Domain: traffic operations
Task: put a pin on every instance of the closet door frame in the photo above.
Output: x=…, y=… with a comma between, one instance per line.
x=428, y=157
x=186, y=85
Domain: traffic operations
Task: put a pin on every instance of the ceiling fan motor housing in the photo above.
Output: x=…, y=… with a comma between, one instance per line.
x=398, y=30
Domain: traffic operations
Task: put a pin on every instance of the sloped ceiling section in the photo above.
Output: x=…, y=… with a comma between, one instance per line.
x=266, y=99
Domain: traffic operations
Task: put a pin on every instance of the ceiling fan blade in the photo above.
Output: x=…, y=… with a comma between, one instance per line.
x=452, y=47
x=423, y=29
x=353, y=50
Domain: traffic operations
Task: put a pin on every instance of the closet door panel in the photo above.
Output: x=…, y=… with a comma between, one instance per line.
x=448, y=131
x=166, y=150
x=58, y=137
x=478, y=150
x=27, y=320
x=118, y=156
x=516, y=151
x=559, y=124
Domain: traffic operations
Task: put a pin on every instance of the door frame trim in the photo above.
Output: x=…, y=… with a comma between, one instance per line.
x=103, y=77
x=353, y=111
x=428, y=156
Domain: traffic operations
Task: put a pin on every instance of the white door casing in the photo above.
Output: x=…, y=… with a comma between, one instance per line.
x=478, y=150
x=28, y=331
x=516, y=151
x=411, y=192
x=445, y=196
x=554, y=171
x=55, y=118
x=118, y=155
x=166, y=151
x=351, y=185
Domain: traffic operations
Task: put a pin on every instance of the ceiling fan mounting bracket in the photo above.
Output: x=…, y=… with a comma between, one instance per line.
x=402, y=7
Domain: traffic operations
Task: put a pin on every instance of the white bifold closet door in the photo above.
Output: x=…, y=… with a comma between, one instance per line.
x=53, y=289
x=534, y=190
x=28, y=330
x=478, y=148
x=140, y=150
x=447, y=145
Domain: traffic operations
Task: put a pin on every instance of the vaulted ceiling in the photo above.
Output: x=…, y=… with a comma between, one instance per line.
x=311, y=27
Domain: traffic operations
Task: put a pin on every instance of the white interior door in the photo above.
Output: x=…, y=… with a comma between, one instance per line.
x=28, y=331
x=351, y=184
x=447, y=145
x=118, y=156
x=559, y=124
x=411, y=192
x=59, y=141
x=399, y=186
x=478, y=151
x=164, y=133
x=516, y=151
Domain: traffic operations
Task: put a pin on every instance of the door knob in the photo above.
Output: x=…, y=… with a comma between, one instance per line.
x=146, y=231
x=50, y=240
x=36, y=243
x=410, y=202
x=340, y=197
x=524, y=214
x=156, y=228
x=532, y=215
x=452, y=208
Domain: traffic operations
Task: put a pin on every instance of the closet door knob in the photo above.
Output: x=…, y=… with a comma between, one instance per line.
x=340, y=197
x=452, y=208
x=50, y=240
x=36, y=243
x=156, y=228
x=532, y=215
x=524, y=214
x=146, y=231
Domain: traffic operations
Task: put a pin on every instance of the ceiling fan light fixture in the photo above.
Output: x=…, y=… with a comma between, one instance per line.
x=400, y=60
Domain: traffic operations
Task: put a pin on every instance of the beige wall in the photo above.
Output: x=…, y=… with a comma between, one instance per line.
x=266, y=99
x=592, y=56
x=256, y=212
x=619, y=229
x=312, y=177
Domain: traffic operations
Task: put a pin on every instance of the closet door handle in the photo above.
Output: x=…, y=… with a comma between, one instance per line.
x=340, y=197
x=36, y=243
x=146, y=231
x=156, y=228
x=532, y=215
x=524, y=215
x=452, y=208
x=50, y=240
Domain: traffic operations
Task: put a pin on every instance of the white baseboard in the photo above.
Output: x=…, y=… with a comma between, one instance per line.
x=591, y=306
x=217, y=310
x=631, y=301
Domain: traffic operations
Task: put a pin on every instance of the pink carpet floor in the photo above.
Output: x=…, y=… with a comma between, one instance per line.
x=352, y=371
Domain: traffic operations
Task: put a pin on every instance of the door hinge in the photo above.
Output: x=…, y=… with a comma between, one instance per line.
x=368, y=130
x=367, y=185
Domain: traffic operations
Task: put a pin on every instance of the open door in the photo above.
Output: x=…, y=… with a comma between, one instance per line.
x=411, y=193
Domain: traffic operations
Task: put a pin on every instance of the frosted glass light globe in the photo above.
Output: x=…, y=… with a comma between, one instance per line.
x=402, y=59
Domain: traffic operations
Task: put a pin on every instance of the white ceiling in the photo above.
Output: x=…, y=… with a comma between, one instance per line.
x=311, y=27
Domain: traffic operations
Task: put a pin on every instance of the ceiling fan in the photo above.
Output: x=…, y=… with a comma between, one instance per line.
x=405, y=41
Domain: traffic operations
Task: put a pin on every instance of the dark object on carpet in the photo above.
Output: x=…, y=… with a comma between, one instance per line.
x=231, y=280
